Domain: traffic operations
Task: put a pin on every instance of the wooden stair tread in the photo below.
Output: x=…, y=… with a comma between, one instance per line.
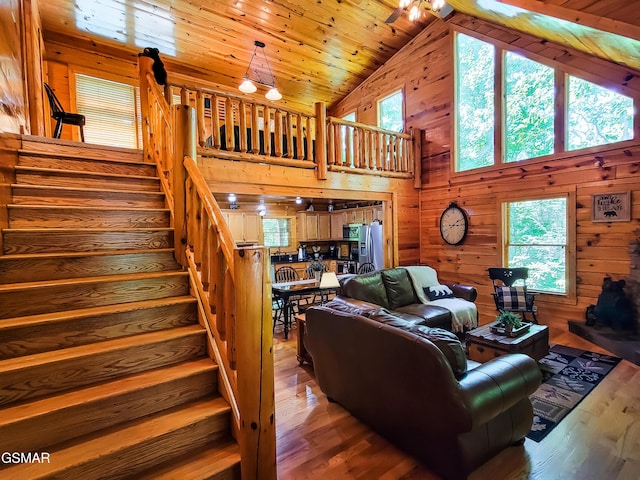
x=46, y=318
x=111, y=446
x=76, y=156
x=19, y=363
x=85, y=280
x=19, y=168
x=85, y=230
x=63, y=255
x=87, y=209
x=202, y=465
x=67, y=400
x=46, y=145
x=83, y=189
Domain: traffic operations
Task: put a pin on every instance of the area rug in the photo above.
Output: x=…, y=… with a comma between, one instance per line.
x=568, y=375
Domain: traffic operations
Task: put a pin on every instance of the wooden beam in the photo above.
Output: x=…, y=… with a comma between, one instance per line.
x=576, y=16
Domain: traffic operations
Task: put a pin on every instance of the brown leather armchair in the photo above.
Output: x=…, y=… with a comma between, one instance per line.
x=411, y=383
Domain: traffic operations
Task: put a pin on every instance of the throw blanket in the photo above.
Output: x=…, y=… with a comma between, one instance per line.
x=463, y=312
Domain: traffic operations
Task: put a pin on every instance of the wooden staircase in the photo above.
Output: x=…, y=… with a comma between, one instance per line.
x=103, y=362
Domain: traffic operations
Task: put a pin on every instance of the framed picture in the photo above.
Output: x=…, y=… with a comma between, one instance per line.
x=611, y=207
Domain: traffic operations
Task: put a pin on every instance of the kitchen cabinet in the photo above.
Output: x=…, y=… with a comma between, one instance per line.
x=355, y=215
x=313, y=226
x=337, y=221
x=378, y=213
x=324, y=226
x=244, y=227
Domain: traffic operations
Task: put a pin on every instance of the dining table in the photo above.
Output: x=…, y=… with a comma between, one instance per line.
x=288, y=290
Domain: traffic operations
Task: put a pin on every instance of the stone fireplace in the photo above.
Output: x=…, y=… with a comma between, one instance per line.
x=621, y=342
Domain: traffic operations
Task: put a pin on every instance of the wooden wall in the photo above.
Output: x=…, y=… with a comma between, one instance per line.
x=424, y=69
x=13, y=111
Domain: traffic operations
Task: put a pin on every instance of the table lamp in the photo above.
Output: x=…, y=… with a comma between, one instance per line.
x=329, y=280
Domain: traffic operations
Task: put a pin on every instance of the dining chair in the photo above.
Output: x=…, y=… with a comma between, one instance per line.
x=61, y=117
x=509, y=297
x=289, y=274
x=367, y=268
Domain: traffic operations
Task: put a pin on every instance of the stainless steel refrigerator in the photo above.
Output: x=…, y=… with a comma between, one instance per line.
x=370, y=245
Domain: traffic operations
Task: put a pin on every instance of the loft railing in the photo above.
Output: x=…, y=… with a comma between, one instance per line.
x=232, y=284
x=358, y=148
x=232, y=127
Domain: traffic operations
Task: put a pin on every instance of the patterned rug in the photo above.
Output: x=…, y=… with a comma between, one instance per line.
x=568, y=375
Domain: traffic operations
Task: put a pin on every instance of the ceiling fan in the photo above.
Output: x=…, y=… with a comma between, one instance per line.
x=439, y=7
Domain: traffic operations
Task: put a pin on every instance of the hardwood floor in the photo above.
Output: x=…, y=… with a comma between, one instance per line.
x=599, y=439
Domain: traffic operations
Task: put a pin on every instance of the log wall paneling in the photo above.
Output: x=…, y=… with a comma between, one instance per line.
x=601, y=248
x=13, y=114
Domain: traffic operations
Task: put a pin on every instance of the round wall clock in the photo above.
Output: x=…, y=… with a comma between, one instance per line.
x=453, y=224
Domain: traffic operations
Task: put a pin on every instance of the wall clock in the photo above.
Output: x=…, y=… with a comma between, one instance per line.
x=453, y=224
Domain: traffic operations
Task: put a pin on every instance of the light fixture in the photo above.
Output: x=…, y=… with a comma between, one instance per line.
x=252, y=75
x=262, y=208
x=298, y=201
x=440, y=7
x=233, y=201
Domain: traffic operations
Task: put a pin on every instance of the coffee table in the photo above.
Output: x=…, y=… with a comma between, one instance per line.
x=484, y=345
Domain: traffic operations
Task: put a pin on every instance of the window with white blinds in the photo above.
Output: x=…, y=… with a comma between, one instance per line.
x=112, y=112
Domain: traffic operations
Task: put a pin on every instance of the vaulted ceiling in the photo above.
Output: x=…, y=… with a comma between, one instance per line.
x=318, y=50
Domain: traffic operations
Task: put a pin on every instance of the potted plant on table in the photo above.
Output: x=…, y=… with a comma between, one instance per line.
x=510, y=323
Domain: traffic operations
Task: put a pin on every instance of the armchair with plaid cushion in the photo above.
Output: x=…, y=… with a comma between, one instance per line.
x=510, y=297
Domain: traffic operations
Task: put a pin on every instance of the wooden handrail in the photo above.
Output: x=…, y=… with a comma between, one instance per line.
x=235, y=128
x=358, y=148
x=232, y=284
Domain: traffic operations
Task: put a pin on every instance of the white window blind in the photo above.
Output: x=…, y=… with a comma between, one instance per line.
x=111, y=110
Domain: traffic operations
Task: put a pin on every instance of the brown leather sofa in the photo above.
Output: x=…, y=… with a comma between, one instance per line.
x=393, y=289
x=413, y=385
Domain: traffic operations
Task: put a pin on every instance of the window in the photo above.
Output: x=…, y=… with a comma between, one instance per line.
x=537, y=238
x=531, y=124
x=390, y=116
x=475, y=103
x=277, y=232
x=529, y=88
x=597, y=116
x=111, y=111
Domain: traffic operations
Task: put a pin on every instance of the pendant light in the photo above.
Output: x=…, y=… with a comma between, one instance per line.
x=252, y=76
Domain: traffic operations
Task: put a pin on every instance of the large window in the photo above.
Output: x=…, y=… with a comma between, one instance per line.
x=596, y=116
x=529, y=88
x=530, y=125
x=475, y=100
x=390, y=116
x=111, y=111
x=537, y=238
x=277, y=232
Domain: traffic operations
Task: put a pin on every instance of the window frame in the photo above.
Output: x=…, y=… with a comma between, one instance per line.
x=562, y=71
x=570, y=295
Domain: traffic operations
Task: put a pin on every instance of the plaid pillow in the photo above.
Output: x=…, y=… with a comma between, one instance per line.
x=512, y=298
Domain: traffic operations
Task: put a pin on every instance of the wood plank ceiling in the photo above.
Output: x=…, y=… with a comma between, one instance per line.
x=318, y=50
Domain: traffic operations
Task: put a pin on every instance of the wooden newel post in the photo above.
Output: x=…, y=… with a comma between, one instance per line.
x=321, y=140
x=254, y=346
x=184, y=146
